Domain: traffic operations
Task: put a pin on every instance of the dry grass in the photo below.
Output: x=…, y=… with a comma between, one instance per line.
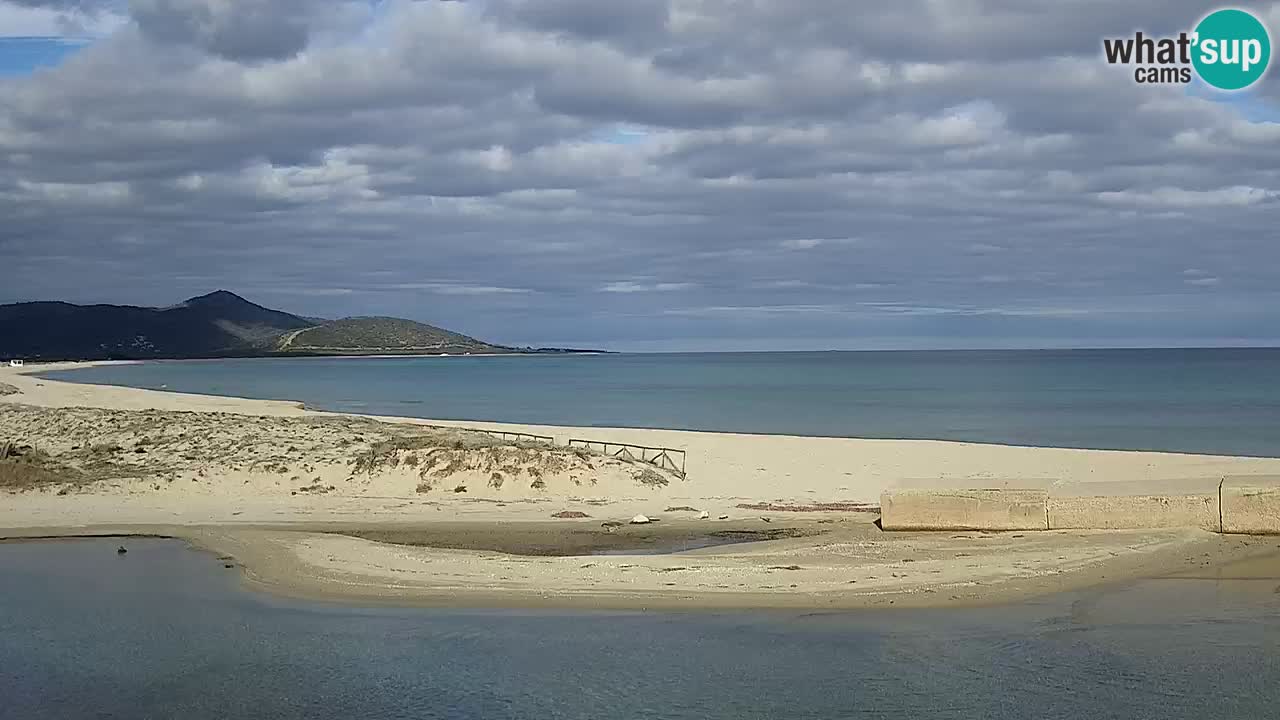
x=418, y=448
x=652, y=478
x=87, y=445
x=27, y=468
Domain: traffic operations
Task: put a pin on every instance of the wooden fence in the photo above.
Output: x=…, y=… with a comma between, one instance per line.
x=518, y=436
x=668, y=459
x=500, y=434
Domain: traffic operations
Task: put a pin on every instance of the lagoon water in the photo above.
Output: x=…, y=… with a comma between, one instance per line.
x=1222, y=401
x=166, y=632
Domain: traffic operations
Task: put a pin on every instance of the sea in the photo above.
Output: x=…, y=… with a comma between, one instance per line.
x=1218, y=401
x=166, y=631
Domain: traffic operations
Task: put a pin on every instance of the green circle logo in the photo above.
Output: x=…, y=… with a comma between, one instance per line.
x=1232, y=49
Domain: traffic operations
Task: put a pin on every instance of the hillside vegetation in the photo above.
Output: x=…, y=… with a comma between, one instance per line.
x=382, y=334
x=220, y=324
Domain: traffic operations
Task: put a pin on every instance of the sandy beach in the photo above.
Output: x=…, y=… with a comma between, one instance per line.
x=399, y=510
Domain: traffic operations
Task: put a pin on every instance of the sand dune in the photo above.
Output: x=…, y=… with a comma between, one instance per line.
x=741, y=466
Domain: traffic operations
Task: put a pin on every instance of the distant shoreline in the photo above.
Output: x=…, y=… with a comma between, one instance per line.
x=303, y=355
x=455, y=404
x=555, y=352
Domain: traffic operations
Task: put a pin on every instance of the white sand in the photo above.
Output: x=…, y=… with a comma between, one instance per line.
x=735, y=466
x=724, y=470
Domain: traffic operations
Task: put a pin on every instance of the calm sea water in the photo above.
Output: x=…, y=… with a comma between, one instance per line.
x=165, y=632
x=1223, y=401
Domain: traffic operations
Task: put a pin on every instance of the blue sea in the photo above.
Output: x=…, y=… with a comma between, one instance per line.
x=166, y=632
x=1220, y=401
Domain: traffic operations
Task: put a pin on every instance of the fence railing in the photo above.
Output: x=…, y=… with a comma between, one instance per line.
x=512, y=435
x=668, y=459
x=500, y=434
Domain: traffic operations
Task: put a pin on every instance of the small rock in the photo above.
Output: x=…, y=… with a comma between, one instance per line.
x=704, y=515
x=724, y=517
x=640, y=520
x=765, y=519
x=121, y=550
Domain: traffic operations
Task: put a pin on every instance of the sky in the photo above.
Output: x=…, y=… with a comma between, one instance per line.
x=644, y=175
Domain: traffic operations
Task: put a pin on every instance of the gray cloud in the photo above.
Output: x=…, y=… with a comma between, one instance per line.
x=59, y=18
x=631, y=23
x=234, y=29
x=669, y=174
x=85, y=6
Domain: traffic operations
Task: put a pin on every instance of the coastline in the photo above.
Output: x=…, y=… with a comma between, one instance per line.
x=290, y=562
x=285, y=542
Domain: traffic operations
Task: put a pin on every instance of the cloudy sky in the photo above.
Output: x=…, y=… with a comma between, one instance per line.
x=644, y=174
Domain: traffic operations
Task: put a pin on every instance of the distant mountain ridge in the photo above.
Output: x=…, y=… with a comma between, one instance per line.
x=220, y=324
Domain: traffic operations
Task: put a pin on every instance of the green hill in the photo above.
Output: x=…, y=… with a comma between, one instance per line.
x=220, y=324
x=371, y=335
x=217, y=324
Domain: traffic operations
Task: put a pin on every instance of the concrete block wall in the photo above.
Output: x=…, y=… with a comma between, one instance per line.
x=1237, y=504
x=972, y=509
x=1133, y=505
x=1250, y=504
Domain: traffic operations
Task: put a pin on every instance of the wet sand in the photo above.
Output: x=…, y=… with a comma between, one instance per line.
x=839, y=566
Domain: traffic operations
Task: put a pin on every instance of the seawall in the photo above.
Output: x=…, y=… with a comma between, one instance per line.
x=1239, y=504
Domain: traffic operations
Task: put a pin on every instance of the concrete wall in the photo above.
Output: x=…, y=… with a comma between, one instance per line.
x=1246, y=504
x=948, y=509
x=1251, y=504
x=1135, y=505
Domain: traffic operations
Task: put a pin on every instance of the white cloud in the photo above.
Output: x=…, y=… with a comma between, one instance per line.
x=66, y=20
x=1175, y=197
x=628, y=286
x=800, y=244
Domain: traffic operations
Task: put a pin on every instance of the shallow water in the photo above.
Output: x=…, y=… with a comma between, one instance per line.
x=667, y=547
x=1223, y=401
x=165, y=631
